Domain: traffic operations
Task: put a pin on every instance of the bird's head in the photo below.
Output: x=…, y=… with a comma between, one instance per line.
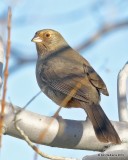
x=48, y=40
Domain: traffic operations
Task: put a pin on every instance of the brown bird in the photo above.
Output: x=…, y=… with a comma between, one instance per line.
x=59, y=69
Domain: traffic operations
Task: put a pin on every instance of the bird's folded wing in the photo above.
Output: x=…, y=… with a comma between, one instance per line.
x=70, y=78
x=69, y=85
x=95, y=79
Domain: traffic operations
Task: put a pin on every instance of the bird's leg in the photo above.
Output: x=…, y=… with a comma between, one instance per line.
x=56, y=114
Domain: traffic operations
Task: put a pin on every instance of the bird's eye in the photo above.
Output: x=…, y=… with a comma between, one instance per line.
x=47, y=35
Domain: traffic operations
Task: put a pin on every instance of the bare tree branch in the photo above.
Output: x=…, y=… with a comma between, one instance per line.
x=121, y=93
x=61, y=133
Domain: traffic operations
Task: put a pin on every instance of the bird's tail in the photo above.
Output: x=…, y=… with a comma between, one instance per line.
x=103, y=128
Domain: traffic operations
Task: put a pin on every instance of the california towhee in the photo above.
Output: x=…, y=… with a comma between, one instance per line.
x=58, y=71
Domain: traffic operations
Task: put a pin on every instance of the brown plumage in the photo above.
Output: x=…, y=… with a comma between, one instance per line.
x=59, y=69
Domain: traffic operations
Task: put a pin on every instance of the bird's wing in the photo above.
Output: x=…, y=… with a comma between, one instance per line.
x=66, y=81
x=67, y=76
x=95, y=79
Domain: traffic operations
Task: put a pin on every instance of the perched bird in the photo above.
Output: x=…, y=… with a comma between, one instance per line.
x=59, y=69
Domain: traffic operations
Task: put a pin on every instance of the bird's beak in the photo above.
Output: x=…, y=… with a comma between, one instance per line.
x=36, y=39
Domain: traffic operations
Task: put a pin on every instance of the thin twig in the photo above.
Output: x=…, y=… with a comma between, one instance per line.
x=26, y=105
x=106, y=28
x=32, y=99
x=1, y=60
x=6, y=72
x=35, y=157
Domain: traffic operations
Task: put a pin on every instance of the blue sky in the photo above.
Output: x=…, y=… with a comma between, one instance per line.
x=76, y=21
